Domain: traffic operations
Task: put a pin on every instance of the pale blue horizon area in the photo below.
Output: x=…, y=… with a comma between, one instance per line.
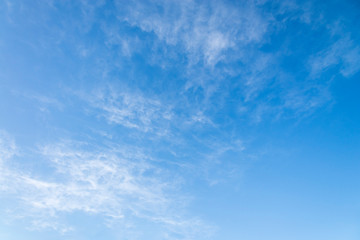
x=223, y=120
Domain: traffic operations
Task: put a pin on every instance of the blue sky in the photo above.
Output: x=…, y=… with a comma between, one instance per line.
x=179, y=120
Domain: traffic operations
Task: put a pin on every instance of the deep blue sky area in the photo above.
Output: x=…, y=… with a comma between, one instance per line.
x=161, y=119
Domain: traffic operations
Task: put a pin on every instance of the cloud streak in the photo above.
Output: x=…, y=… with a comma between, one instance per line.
x=130, y=110
x=113, y=184
x=342, y=53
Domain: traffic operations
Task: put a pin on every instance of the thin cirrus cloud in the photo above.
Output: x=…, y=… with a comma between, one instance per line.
x=343, y=53
x=7, y=151
x=117, y=185
x=203, y=31
x=215, y=33
x=130, y=110
x=139, y=107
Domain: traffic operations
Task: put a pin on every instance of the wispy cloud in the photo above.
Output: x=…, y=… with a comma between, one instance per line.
x=8, y=150
x=130, y=109
x=216, y=35
x=118, y=185
x=152, y=108
x=204, y=31
x=343, y=53
x=7, y=146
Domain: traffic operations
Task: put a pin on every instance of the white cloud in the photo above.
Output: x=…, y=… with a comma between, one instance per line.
x=203, y=31
x=343, y=53
x=131, y=110
x=8, y=150
x=114, y=184
x=7, y=146
x=101, y=182
x=208, y=33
